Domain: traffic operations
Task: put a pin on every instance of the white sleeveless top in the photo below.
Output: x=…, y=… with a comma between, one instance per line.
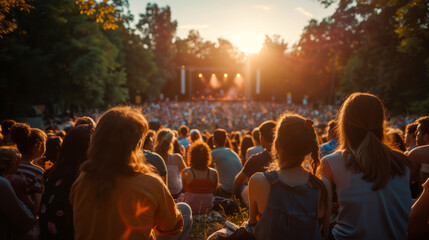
x=367, y=214
x=174, y=177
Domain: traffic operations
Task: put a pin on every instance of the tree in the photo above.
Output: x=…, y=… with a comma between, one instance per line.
x=158, y=29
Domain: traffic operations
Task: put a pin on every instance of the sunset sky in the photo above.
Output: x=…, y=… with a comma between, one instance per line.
x=244, y=22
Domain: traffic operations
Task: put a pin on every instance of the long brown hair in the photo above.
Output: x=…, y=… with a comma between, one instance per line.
x=164, y=143
x=115, y=147
x=361, y=129
x=295, y=135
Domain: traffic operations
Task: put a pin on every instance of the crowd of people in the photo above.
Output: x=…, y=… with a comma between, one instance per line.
x=120, y=177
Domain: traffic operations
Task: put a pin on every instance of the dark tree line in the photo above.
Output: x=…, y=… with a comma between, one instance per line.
x=63, y=59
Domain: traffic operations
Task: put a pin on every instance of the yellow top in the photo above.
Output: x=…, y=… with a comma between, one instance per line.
x=136, y=208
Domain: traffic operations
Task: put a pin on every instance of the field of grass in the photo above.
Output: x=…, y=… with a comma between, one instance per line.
x=204, y=225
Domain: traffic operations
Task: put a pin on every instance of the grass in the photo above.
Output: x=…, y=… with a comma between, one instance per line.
x=202, y=228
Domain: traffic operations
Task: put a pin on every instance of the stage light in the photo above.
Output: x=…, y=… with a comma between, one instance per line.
x=238, y=75
x=225, y=75
x=200, y=75
x=213, y=75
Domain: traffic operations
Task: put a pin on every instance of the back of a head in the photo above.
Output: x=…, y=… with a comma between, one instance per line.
x=114, y=147
x=332, y=129
x=53, y=146
x=199, y=156
x=7, y=156
x=6, y=125
x=411, y=129
x=27, y=138
x=164, y=142
x=84, y=120
x=295, y=135
x=245, y=144
x=219, y=137
x=74, y=150
x=361, y=129
x=256, y=136
x=266, y=130
x=183, y=130
x=195, y=135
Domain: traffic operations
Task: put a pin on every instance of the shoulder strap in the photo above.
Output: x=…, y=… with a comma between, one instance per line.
x=192, y=170
x=272, y=176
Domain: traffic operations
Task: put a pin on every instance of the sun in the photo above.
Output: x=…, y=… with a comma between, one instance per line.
x=248, y=40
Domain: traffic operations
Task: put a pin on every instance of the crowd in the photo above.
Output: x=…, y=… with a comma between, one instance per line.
x=119, y=178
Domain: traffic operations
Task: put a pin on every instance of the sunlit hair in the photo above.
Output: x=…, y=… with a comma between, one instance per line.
x=164, y=143
x=199, y=156
x=255, y=136
x=411, y=129
x=219, y=137
x=361, y=129
x=245, y=144
x=396, y=139
x=84, y=120
x=266, y=130
x=115, y=147
x=423, y=122
x=195, y=135
x=26, y=138
x=7, y=156
x=296, y=137
x=184, y=130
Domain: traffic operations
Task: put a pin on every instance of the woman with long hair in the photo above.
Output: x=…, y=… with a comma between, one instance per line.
x=175, y=164
x=371, y=179
x=55, y=198
x=291, y=194
x=117, y=196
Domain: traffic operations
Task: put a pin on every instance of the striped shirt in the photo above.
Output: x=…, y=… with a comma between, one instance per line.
x=33, y=175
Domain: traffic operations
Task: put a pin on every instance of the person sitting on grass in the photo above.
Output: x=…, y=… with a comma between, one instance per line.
x=199, y=181
x=117, y=195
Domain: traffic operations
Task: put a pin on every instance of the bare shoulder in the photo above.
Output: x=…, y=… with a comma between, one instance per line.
x=258, y=179
x=421, y=152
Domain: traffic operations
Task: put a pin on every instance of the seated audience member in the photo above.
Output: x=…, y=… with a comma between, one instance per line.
x=6, y=125
x=195, y=135
x=226, y=161
x=16, y=220
x=257, y=148
x=396, y=139
x=289, y=202
x=371, y=180
x=31, y=143
x=257, y=162
x=153, y=158
x=116, y=196
x=410, y=136
x=84, y=120
x=56, y=212
x=332, y=144
x=53, y=146
x=199, y=181
x=246, y=143
x=419, y=156
x=149, y=140
x=183, y=136
x=418, y=228
x=175, y=163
